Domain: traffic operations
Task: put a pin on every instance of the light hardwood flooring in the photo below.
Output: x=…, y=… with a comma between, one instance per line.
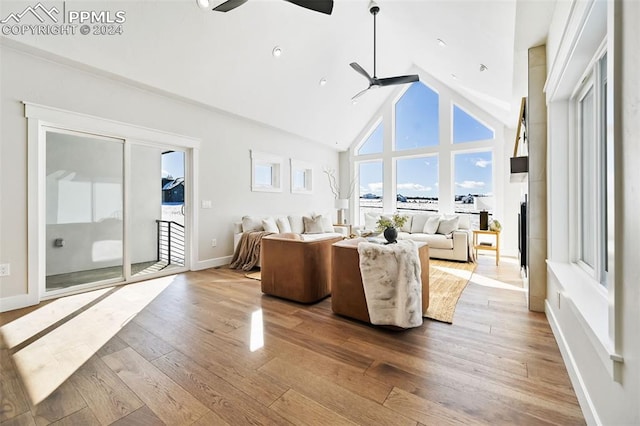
x=185, y=359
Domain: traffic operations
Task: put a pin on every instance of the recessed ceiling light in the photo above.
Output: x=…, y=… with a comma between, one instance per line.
x=204, y=4
x=277, y=52
x=354, y=101
x=483, y=67
x=453, y=76
x=322, y=82
x=441, y=42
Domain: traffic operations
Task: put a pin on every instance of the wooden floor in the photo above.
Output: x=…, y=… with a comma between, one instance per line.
x=186, y=359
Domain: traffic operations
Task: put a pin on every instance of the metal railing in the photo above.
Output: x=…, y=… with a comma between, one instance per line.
x=170, y=242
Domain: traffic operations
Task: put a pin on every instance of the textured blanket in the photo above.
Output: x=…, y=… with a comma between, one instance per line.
x=247, y=255
x=392, y=283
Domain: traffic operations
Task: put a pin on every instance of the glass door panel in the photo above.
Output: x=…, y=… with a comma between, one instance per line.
x=84, y=209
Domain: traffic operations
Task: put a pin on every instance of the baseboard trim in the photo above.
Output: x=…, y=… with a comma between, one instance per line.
x=17, y=302
x=586, y=403
x=211, y=263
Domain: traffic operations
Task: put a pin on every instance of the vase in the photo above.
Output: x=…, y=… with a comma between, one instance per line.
x=390, y=234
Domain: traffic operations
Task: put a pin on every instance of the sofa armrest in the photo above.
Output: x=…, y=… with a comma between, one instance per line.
x=237, y=227
x=460, y=237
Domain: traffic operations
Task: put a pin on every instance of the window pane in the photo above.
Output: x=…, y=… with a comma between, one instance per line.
x=299, y=180
x=467, y=128
x=370, y=178
x=417, y=183
x=587, y=181
x=373, y=144
x=264, y=175
x=473, y=176
x=417, y=118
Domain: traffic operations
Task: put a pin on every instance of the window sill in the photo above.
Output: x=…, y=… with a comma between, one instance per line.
x=589, y=303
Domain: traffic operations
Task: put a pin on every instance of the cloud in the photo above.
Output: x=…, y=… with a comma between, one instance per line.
x=165, y=174
x=482, y=163
x=414, y=187
x=470, y=184
x=375, y=187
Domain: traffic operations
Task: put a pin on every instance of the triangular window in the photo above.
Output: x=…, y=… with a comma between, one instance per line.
x=373, y=144
x=467, y=128
x=417, y=118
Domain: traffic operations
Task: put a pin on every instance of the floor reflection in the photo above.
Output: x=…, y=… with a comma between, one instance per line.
x=256, y=341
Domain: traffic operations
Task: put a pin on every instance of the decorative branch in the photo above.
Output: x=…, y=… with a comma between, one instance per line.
x=333, y=183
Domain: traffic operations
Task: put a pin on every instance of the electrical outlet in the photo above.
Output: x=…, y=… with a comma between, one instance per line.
x=5, y=271
x=214, y=243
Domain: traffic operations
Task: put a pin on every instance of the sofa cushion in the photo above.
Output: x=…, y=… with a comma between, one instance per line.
x=371, y=220
x=297, y=224
x=407, y=225
x=447, y=226
x=436, y=241
x=283, y=225
x=250, y=224
x=431, y=225
x=464, y=220
x=327, y=223
x=269, y=225
x=313, y=225
x=418, y=221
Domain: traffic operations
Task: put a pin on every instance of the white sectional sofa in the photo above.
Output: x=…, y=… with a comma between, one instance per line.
x=310, y=226
x=449, y=236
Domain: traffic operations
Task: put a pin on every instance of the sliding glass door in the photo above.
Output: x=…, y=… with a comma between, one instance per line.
x=84, y=209
x=115, y=211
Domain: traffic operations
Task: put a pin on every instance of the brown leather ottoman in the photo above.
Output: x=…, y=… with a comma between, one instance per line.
x=347, y=292
x=295, y=269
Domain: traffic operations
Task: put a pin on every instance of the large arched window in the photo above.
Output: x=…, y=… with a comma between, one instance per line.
x=439, y=152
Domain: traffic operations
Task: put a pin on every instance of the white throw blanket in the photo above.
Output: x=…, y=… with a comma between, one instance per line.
x=391, y=277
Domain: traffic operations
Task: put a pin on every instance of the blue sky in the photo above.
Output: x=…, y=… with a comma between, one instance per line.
x=416, y=114
x=173, y=164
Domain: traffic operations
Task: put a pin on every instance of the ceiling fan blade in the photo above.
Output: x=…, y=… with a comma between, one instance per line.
x=322, y=6
x=402, y=79
x=360, y=93
x=361, y=70
x=229, y=5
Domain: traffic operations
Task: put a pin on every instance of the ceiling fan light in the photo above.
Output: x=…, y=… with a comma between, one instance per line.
x=203, y=4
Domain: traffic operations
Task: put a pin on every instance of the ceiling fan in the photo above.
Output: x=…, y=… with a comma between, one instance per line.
x=322, y=6
x=375, y=82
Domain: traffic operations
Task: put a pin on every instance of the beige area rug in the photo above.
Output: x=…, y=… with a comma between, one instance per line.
x=447, y=280
x=253, y=275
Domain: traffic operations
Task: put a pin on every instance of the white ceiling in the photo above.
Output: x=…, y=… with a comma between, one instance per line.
x=224, y=59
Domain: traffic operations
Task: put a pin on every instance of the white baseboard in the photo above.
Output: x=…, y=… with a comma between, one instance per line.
x=586, y=404
x=211, y=263
x=17, y=302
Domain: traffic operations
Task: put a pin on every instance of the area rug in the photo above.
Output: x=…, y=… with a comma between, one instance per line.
x=254, y=275
x=447, y=280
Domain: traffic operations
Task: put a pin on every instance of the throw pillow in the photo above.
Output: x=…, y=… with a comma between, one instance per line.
x=297, y=224
x=313, y=225
x=431, y=225
x=250, y=224
x=283, y=225
x=407, y=225
x=371, y=220
x=269, y=225
x=447, y=226
x=327, y=224
x=418, y=221
x=463, y=223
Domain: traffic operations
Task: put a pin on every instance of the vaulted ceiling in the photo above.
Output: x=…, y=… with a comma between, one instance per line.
x=224, y=60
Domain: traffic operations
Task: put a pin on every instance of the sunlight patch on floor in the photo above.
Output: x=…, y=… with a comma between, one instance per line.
x=23, y=328
x=490, y=282
x=46, y=363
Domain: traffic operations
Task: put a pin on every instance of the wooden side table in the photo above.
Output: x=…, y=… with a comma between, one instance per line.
x=477, y=246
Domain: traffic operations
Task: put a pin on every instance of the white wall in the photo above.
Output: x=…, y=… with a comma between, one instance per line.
x=223, y=170
x=608, y=392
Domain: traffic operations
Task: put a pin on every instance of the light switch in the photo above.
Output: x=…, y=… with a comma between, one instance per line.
x=206, y=204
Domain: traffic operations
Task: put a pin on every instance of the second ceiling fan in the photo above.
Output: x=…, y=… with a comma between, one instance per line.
x=375, y=82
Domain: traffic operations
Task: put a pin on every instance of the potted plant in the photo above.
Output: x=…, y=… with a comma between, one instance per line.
x=389, y=226
x=495, y=225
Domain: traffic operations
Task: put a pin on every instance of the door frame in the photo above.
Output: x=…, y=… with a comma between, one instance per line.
x=40, y=118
